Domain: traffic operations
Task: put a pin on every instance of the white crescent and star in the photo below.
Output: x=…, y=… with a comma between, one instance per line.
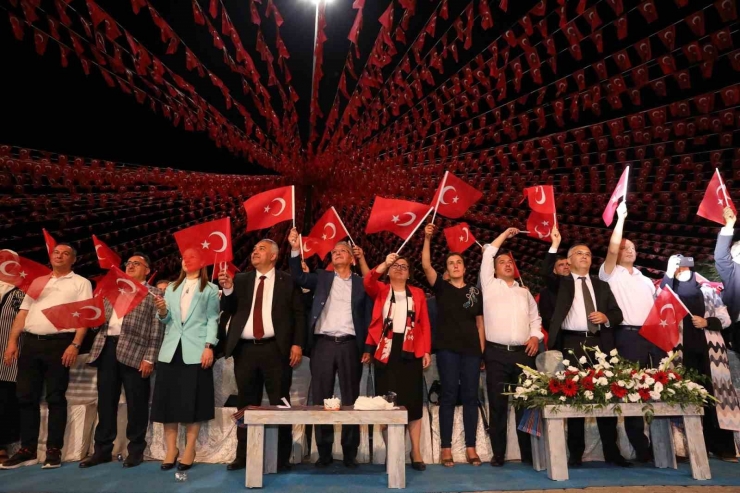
x=333, y=231
x=97, y=253
x=127, y=282
x=467, y=235
x=6, y=273
x=542, y=235
x=97, y=311
x=306, y=247
x=542, y=192
x=664, y=322
x=282, y=206
x=205, y=244
x=410, y=221
x=442, y=196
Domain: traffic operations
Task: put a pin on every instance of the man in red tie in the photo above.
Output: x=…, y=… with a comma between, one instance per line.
x=266, y=335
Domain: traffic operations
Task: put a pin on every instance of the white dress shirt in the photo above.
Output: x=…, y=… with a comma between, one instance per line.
x=248, y=331
x=400, y=311
x=186, y=296
x=577, y=318
x=58, y=291
x=510, y=314
x=634, y=293
x=115, y=322
x=336, y=316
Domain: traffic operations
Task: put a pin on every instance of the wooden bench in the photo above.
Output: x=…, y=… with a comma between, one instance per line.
x=262, y=436
x=549, y=450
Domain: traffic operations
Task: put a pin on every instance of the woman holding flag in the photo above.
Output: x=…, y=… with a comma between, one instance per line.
x=183, y=391
x=459, y=344
x=399, y=338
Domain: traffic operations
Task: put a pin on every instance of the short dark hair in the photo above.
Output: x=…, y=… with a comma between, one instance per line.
x=68, y=245
x=560, y=257
x=454, y=254
x=502, y=252
x=144, y=256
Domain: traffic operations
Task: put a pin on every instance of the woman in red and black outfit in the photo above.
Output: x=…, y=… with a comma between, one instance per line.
x=400, y=339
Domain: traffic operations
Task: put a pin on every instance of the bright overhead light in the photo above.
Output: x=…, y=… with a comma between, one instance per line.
x=316, y=2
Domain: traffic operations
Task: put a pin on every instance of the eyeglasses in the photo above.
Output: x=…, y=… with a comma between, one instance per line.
x=581, y=253
x=134, y=263
x=400, y=267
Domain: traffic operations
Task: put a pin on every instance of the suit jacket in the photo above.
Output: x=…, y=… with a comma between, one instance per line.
x=564, y=288
x=320, y=282
x=288, y=318
x=200, y=325
x=729, y=272
x=141, y=333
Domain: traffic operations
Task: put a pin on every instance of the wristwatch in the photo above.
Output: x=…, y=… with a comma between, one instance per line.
x=209, y=345
x=77, y=346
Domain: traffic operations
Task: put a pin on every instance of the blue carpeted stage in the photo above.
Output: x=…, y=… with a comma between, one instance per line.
x=306, y=478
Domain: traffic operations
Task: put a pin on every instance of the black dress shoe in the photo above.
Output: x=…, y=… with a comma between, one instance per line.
x=350, y=463
x=238, y=463
x=573, y=462
x=497, y=462
x=94, y=460
x=418, y=466
x=646, y=457
x=133, y=461
x=323, y=463
x=620, y=461
x=166, y=466
x=285, y=467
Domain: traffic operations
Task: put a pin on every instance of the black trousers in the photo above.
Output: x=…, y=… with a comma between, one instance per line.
x=607, y=426
x=111, y=376
x=39, y=364
x=329, y=358
x=502, y=373
x=9, y=414
x=256, y=365
x=632, y=346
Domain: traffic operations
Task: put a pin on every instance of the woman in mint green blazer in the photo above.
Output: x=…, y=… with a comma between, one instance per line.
x=183, y=390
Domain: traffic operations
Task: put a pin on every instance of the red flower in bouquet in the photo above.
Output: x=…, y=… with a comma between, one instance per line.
x=554, y=386
x=618, y=391
x=599, y=374
x=661, y=377
x=570, y=388
x=587, y=383
x=644, y=394
x=676, y=376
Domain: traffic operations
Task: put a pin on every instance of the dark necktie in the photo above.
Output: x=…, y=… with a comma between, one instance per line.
x=588, y=301
x=258, y=327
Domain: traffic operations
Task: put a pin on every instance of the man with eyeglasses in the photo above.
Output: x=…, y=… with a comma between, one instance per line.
x=124, y=351
x=585, y=314
x=634, y=294
x=337, y=329
x=46, y=358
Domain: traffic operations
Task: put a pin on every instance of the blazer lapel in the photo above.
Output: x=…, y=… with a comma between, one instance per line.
x=248, y=290
x=194, y=302
x=276, y=289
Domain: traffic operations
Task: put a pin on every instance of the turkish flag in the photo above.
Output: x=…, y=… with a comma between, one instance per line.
x=620, y=192
x=459, y=238
x=329, y=228
x=540, y=225
x=661, y=325
x=206, y=243
x=86, y=313
x=517, y=274
x=454, y=197
x=400, y=217
x=51, y=243
x=26, y=275
x=315, y=246
x=541, y=198
x=123, y=292
x=106, y=257
x=716, y=198
x=269, y=208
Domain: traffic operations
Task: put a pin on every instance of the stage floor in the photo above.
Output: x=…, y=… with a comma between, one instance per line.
x=306, y=478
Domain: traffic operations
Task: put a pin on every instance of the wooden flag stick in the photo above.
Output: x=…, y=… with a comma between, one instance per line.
x=439, y=197
x=722, y=186
x=415, y=228
x=292, y=192
x=679, y=300
x=300, y=246
x=478, y=242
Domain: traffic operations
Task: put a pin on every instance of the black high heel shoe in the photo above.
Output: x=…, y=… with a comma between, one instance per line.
x=419, y=466
x=184, y=467
x=166, y=466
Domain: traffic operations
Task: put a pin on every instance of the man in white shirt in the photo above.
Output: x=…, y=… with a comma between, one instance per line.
x=266, y=336
x=124, y=352
x=513, y=332
x=340, y=315
x=47, y=355
x=634, y=294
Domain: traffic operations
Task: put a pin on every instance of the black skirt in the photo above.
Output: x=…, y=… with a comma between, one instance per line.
x=182, y=393
x=402, y=376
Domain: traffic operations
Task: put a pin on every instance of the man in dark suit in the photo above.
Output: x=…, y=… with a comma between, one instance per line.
x=340, y=315
x=585, y=314
x=266, y=336
x=124, y=351
x=547, y=296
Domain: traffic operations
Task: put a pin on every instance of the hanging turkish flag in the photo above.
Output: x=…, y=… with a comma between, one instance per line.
x=209, y=242
x=85, y=313
x=329, y=228
x=541, y=198
x=716, y=198
x=51, y=243
x=269, y=208
x=661, y=325
x=315, y=246
x=454, y=197
x=620, y=192
x=400, y=217
x=540, y=225
x=106, y=257
x=459, y=238
x=26, y=275
x=123, y=292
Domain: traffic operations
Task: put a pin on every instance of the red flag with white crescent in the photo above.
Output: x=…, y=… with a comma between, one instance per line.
x=329, y=228
x=400, y=217
x=315, y=246
x=541, y=198
x=459, y=238
x=85, y=313
x=269, y=208
x=107, y=258
x=122, y=291
x=454, y=197
x=206, y=243
x=620, y=192
x=27, y=275
x=539, y=225
x=51, y=243
x=716, y=198
x=661, y=325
